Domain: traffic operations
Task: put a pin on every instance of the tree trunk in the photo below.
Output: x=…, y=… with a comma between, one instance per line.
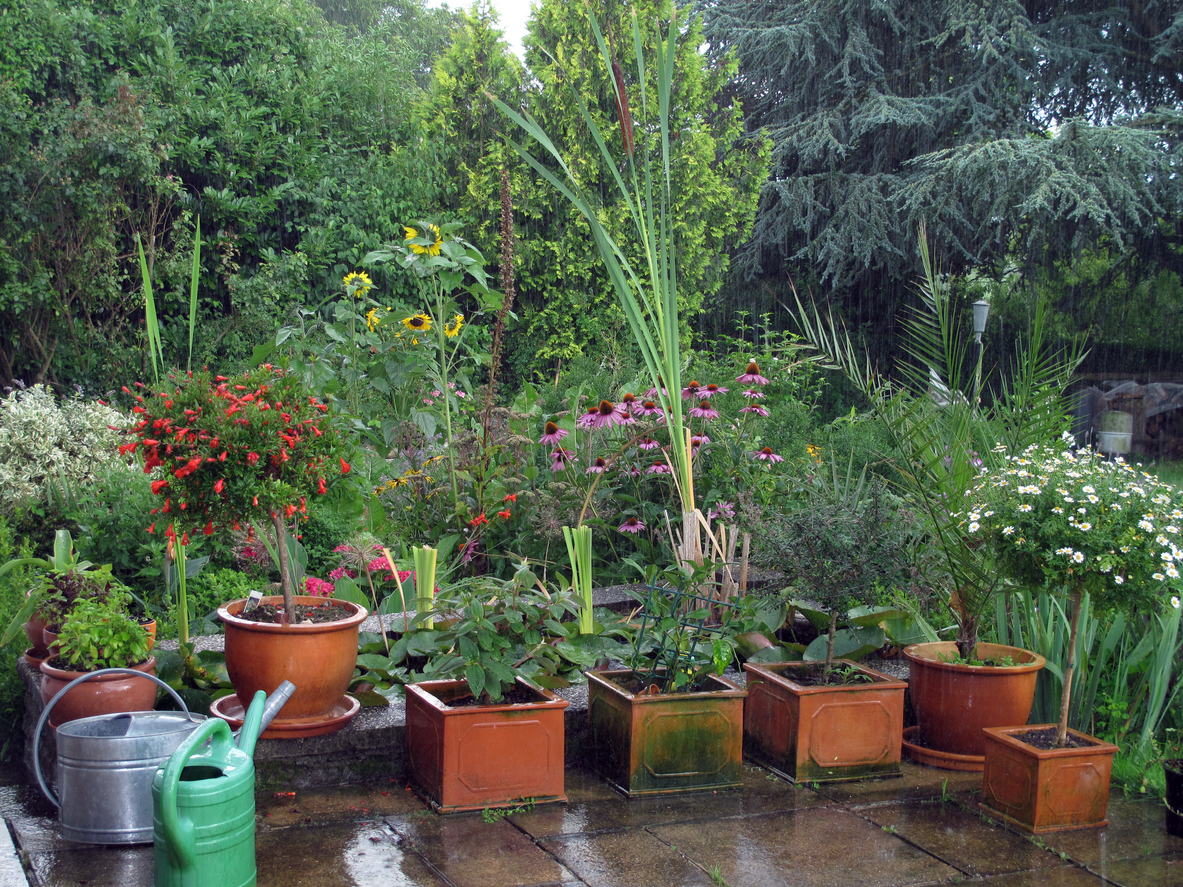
x=285, y=569
x=1069, y=668
x=830, y=647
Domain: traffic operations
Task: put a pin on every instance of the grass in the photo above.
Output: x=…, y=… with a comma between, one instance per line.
x=1167, y=472
x=496, y=814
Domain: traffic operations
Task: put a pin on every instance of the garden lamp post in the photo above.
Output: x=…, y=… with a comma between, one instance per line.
x=981, y=312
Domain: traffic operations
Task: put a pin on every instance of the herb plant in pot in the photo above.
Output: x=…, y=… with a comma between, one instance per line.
x=490, y=736
x=98, y=634
x=251, y=450
x=1080, y=524
x=671, y=722
x=832, y=720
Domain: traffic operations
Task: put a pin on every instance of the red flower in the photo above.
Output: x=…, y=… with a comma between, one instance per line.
x=157, y=486
x=478, y=520
x=344, y=466
x=209, y=529
x=252, y=457
x=185, y=539
x=511, y=497
x=504, y=514
x=218, y=487
x=152, y=527
x=320, y=486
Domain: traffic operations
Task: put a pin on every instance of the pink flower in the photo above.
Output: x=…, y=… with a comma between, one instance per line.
x=648, y=409
x=552, y=434
x=659, y=468
x=704, y=410
x=604, y=415
x=318, y=587
x=648, y=443
x=561, y=457
x=712, y=388
x=629, y=402
x=692, y=391
x=697, y=440
x=755, y=408
x=752, y=393
x=751, y=375
x=341, y=572
x=597, y=467
x=723, y=510
x=632, y=525
x=768, y=456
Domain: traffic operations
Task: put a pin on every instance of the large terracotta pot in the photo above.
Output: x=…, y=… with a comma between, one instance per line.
x=667, y=742
x=477, y=756
x=104, y=695
x=318, y=658
x=1046, y=790
x=824, y=733
x=954, y=702
x=35, y=632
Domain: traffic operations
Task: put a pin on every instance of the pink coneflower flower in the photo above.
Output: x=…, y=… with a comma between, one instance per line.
x=768, y=456
x=712, y=388
x=751, y=375
x=723, y=510
x=552, y=434
x=629, y=402
x=652, y=392
x=692, y=391
x=597, y=467
x=648, y=409
x=658, y=468
x=697, y=440
x=561, y=457
x=648, y=443
x=755, y=408
x=632, y=525
x=604, y=415
x=752, y=393
x=704, y=410
x=633, y=471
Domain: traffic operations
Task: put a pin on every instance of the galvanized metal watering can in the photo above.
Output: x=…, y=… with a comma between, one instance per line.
x=105, y=766
x=204, y=802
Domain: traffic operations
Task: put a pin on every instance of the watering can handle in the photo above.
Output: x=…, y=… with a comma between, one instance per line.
x=181, y=837
x=66, y=689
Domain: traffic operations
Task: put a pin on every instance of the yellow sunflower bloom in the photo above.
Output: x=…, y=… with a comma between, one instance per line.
x=452, y=327
x=373, y=321
x=357, y=283
x=420, y=323
x=432, y=249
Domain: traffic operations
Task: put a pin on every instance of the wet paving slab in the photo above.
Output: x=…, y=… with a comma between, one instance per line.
x=1137, y=828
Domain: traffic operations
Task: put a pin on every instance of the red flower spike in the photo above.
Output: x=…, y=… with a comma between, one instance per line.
x=504, y=514
x=151, y=527
x=157, y=486
x=320, y=486
x=209, y=529
x=219, y=485
x=511, y=497
x=345, y=469
x=185, y=539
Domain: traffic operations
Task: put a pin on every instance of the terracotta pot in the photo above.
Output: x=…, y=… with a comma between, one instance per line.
x=99, y=696
x=51, y=642
x=954, y=702
x=824, y=734
x=318, y=658
x=1174, y=774
x=668, y=742
x=149, y=625
x=477, y=756
x=1049, y=790
x=35, y=632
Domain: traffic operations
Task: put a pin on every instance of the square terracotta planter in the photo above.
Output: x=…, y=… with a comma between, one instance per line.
x=824, y=734
x=668, y=742
x=1046, y=791
x=476, y=756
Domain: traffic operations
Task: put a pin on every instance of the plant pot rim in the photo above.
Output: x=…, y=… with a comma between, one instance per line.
x=607, y=678
x=426, y=692
x=1012, y=737
x=228, y=613
x=774, y=671
x=65, y=675
x=927, y=654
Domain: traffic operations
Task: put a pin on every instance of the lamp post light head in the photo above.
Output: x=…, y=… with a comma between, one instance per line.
x=981, y=312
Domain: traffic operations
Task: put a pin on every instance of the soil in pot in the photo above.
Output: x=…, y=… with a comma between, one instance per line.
x=316, y=614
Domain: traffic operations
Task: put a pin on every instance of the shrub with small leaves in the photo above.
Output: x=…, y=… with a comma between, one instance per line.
x=100, y=634
x=44, y=440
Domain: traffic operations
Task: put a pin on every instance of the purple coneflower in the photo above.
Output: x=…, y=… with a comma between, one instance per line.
x=768, y=456
x=629, y=403
x=658, y=468
x=597, y=467
x=692, y=391
x=723, y=510
x=713, y=389
x=561, y=457
x=632, y=525
x=652, y=392
x=648, y=443
x=755, y=408
x=751, y=375
x=752, y=393
x=552, y=434
x=606, y=414
x=704, y=410
x=648, y=409
x=697, y=440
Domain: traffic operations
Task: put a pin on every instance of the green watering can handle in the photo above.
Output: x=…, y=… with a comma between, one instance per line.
x=179, y=835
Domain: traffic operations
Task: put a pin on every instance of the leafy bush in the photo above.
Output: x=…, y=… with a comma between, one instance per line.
x=44, y=441
x=101, y=634
x=13, y=586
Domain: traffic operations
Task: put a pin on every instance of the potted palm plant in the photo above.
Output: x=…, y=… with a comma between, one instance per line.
x=825, y=719
x=1080, y=524
x=940, y=438
x=250, y=451
x=96, y=634
x=484, y=734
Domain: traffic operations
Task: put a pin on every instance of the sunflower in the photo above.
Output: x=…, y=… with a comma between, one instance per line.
x=420, y=323
x=357, y=283
x=373, y=320
x=452, y=327
x=431, y=249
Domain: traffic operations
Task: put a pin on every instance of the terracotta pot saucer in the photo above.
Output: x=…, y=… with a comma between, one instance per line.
x=230, y=709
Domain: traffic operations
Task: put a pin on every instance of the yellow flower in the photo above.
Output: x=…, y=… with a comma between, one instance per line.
x=452, y=328
x=373, y=321
x=420, y=323
x=357, y=283
x=432, y=249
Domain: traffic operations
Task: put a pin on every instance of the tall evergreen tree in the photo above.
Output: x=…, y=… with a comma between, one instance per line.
x=1021, y=130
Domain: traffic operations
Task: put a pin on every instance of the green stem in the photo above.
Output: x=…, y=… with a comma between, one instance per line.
x=442, y=339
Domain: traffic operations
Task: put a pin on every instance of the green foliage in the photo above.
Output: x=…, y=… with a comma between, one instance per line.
x=100, y=634
x=209, y=589
x=13, y=585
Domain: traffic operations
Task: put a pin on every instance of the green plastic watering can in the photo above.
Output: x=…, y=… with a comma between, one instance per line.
x=204, y=803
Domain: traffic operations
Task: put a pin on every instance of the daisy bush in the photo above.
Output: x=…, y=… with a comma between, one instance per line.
x=1081, y=524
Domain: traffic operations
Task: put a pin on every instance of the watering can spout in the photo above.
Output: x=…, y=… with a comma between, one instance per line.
x=262, y=711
